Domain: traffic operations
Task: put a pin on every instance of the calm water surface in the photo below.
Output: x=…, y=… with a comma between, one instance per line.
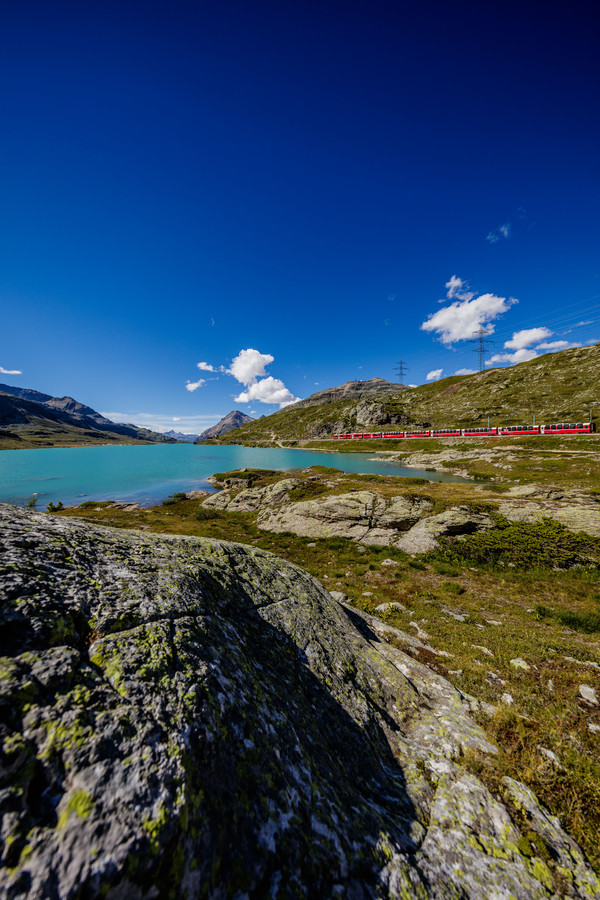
x=147, y=474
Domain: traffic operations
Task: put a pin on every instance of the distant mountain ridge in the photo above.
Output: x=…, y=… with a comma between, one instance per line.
x=234, y=419
x=181, y=437
x=30, y=418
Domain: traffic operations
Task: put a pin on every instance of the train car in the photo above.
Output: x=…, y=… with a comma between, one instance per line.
x=518, y=430
x=393, y=434
x=568, y=428
x=446, y=432
x=417, y=434
x=480, y=432
x=374, y=434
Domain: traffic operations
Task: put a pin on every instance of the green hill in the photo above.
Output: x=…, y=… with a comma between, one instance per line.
x=555, y=387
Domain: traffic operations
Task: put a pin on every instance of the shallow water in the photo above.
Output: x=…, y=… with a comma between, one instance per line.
x=147, y=474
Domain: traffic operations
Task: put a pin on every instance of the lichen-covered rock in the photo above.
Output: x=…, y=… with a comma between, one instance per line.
x=363, y=516
x=186, y=718
x=459, y=520
x=253, y=498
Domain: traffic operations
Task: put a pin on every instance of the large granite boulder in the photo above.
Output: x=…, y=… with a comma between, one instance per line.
x=363, y=516
x=182, y=718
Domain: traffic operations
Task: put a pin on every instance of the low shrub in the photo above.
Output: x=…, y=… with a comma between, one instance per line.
x=204, y=513
x=177, y=497
x=587, y=622
x=542, y=545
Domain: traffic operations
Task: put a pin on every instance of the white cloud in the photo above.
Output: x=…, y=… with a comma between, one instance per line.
x=518, y=356
x=456, y=288
x=177, y=418
x=10, y=371
x=267, y=390
x=503, y=231
x=465, y=372
x=587, y=322
x=194, y=385
x=434, y=375
x=557, y=345
x=527, y=337
x=458, y=321
x=206, y=367
x=249, y=365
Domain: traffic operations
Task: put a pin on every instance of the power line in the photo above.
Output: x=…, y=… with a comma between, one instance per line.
x=400, y=370
x=480, y=339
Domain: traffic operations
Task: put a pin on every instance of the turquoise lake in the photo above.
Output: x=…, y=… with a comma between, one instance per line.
x=147, y=474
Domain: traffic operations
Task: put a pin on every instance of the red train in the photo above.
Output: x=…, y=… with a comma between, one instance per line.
x=502, y=430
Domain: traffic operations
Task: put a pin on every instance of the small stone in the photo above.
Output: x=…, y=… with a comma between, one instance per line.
x=383, y=607
x=390, y=562
x=339, y=596
x=549, y=754
x=312, y=544
x=420, y=633
x=361, y=549
x=483, y=649
x=507, y=699
x=519, y=663
x=494, y=622
x=589, y=694
x=595, y=729
x=460, y=617
x=367, y=593
x=550, y=685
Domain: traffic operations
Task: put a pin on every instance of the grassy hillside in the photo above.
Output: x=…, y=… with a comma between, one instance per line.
x=553, y=387
x=55, y=434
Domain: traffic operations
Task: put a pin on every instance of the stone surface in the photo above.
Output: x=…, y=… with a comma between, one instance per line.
x=187, y=718
x=460, y=520
x=518, y=663
x=589, y=693
x=363, y=516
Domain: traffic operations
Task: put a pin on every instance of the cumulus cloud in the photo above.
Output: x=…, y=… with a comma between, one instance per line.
x=518, y=356
x=206, y=367
x=267, y=390
x=194, y=385
x=249, y=365
x=526, y=337
x=557, y=345
x=467, y=314
x=503, y=231
x=465, y=371
x=10, y=371
x=434, y=375
x=456, y=288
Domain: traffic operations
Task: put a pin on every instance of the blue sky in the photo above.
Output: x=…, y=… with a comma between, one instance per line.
x=182, y=182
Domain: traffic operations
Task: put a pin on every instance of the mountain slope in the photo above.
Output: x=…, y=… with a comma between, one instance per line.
x=553, y=387
x=30, y=418
x=234, y=419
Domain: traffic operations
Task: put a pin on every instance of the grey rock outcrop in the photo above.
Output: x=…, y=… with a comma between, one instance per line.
x=188, y=718
x=450, y=523
x=363, y=516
